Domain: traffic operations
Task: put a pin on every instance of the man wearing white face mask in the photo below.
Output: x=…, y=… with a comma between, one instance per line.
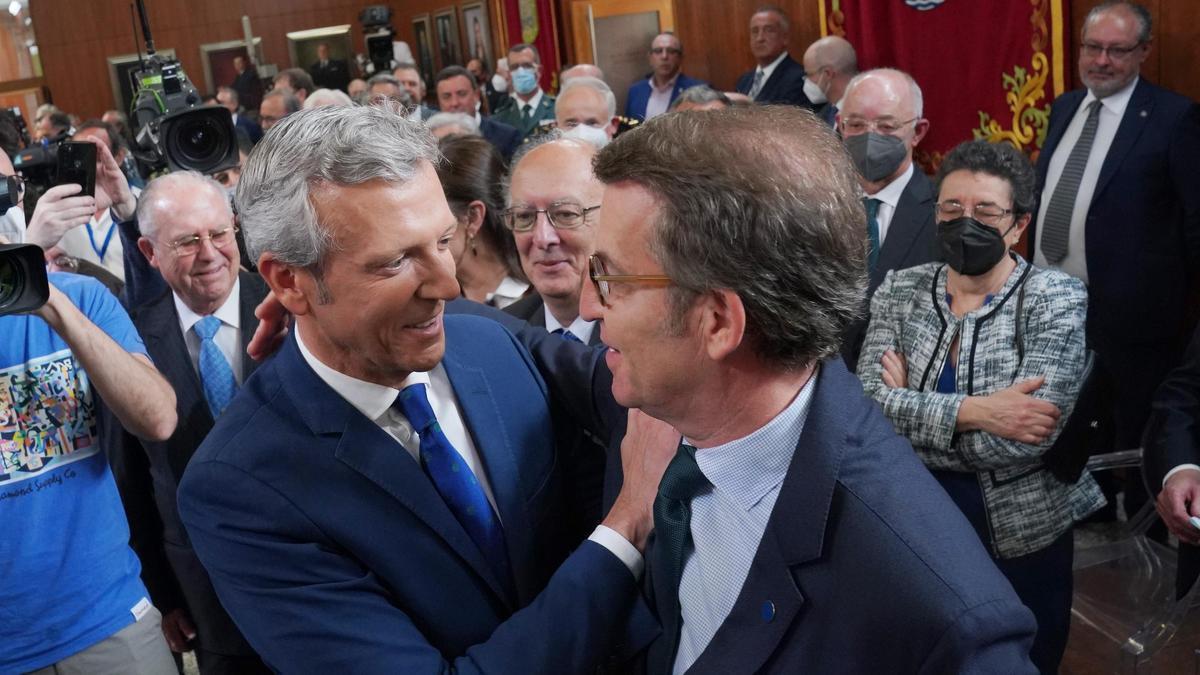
x=829, y=65
x=587, y=102
x=529, y=109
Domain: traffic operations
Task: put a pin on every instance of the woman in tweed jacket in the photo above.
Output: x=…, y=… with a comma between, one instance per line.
x=978, y=361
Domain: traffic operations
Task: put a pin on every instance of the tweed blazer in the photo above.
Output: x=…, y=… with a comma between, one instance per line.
x=1027, y=507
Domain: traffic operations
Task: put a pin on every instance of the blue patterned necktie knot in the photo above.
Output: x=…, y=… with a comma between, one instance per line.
x=453, y=479
x=567, y=335
x=216, y=376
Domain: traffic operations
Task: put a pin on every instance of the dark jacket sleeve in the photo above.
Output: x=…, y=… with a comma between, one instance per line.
x=1171, y=433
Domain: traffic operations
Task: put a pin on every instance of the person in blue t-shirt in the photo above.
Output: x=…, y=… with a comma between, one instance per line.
x=72, y=598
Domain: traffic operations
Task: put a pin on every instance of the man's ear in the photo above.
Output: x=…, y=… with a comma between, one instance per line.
x=147, y=250
x=722, y=323
x=295, y=289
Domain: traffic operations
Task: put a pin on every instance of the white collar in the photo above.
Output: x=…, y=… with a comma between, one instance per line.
x=580, y=327
x=890, y=194
x=370, y=399
x=770, y=67
x=1115, y=103
x=533, y=102
x=508, y=290
x=228, y=311
x=669, y=86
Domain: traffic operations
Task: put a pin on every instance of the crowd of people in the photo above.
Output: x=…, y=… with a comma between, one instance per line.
x=483, y=378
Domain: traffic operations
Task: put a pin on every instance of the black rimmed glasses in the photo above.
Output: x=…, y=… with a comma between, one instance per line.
x=601, y=279
x=562, y=216
x=1115, y=52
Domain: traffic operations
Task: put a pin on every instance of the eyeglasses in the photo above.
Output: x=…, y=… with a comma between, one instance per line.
x=659, y=51
x=886, y=126
x=601, y=278
x=186, y=246
x=989, y=214
x=1093, y=50
x=562, y=216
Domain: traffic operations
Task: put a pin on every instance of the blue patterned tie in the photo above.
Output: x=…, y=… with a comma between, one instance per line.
x=455, y=482
x=567, y=335
x=872, y=205
x=215, y=374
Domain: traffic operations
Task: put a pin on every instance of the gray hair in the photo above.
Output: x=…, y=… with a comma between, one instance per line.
x=1140, y=14
x=699, y=95
x=784, y=21
x=291, y=104
x=331, y=145
x=154, y=200
x=322, y=97
x=914, y=90
x=595, y=84
x=463, y=121
x=782, y=227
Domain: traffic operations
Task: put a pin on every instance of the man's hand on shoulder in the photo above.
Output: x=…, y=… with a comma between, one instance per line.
x=647, y=449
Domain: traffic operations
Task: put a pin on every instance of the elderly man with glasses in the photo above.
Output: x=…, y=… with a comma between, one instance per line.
x=880, y=120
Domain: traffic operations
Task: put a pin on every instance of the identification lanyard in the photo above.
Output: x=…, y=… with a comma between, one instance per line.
x=101, y=250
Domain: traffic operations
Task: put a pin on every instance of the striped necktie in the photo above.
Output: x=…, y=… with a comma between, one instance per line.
x=756, y=86
x=1056, y=228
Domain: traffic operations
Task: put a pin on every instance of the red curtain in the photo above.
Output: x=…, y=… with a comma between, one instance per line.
x=987, y=69
x=534, y=22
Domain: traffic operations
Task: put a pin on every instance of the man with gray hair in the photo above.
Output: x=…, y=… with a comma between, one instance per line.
x=701, y=97
x=413, y=498
x=387, y=87
x=587, y=101
x=409, y=76
x=196, y=334
x=793, y=526
x=777, y=78
x=829, y=65
x=447, y=123
x=275, y=106
x=580, y=70
x=881, y=125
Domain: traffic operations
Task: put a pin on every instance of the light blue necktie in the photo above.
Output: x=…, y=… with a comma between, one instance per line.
x=455, y=482
x=872, y=231
x=215, y=374
x=567, y=335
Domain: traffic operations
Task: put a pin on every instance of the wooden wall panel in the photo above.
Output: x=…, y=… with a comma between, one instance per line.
x=76, y=37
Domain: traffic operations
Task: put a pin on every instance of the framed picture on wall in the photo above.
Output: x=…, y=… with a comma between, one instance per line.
x=445, y=28
x=120, y=74
x=478, y=30
x=302, y=45
x=217, y=60
x=423, y=37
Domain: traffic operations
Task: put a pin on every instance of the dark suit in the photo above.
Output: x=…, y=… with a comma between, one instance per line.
x=639, y=95
x=828, y=113
x=505, y=138
x=911, y=240
x=1142, y=243
x=866, y=563
x=249, y=88
x=157, y=530
x=786, y=84
x=510, y=113
x=247, y=125
x=335, y=74
x=1173, y=438
x=333, y=551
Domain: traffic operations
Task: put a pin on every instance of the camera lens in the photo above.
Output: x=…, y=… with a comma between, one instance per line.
x=197, y=141
x=11, y=281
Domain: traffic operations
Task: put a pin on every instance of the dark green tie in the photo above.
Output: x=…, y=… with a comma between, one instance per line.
x=682, y=481
x=872, y=205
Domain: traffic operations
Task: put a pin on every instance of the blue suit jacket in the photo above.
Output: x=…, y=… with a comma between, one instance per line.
x=867, y=564
x=332, y=550
x=786, y=84
x=1142, y=236
x=506, y=138
x=639, y=94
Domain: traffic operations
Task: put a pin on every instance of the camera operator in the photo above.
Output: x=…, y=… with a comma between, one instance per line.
x=56, y=488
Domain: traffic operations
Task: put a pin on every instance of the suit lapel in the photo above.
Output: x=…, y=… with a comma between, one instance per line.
x=1137, y=115
x=911, y=215
x=368, y=450
x=253, y=290
x=772, y=597
x=777, y=76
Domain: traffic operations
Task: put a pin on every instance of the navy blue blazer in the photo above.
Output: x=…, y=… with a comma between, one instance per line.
x=639, y=94
x=332, y=550
x=504, y=137
x=866, y=563
x=786, y=84
x=1142, y=235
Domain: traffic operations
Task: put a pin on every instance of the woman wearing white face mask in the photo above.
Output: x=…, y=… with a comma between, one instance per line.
x=978, y=362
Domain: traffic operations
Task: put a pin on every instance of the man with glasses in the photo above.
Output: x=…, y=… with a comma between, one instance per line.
x=196, y=333
x=654, y=95
x=881, y=124
x=777, y=78
x=1120, y=210
x=528, y=108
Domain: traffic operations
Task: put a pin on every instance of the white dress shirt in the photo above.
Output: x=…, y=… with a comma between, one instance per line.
x=375, y=401
x=888, y=198
x=533, y=102
x=509, y=291
x=580, y=327
x=729, y=519
x=660, y=97
x=228, y=337
x=1112, y=109
x=767, y=70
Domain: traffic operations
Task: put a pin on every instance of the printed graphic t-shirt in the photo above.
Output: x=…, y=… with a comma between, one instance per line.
x=69, y=578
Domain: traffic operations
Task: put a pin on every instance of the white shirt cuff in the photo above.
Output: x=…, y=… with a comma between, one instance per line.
x=1179, y=468
x=620, y=547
